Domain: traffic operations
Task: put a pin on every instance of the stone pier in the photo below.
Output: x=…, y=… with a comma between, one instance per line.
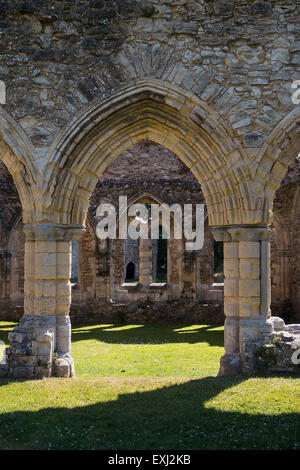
x=246, y=295
x=41, y=345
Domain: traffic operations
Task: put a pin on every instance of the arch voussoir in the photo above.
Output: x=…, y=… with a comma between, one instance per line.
x=163, y=113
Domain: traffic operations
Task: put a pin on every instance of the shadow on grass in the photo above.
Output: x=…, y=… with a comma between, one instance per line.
x=143, y=334
x=172, y=417
x=149, y=334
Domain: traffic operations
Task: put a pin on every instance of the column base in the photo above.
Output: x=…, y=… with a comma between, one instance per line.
x=29, y=355
x=32, y=344
x=252, y=336
x=63, y=366
x=230, y=364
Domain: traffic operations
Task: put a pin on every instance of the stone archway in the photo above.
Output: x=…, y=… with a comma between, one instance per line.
x=235, y=188
x=168, y=115
x=154, y=110
x=16, y=152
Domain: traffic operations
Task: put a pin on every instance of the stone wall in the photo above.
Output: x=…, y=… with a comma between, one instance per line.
x=209, y=80
x=240, y=57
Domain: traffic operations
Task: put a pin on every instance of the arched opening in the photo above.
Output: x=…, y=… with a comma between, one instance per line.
x=18, y=175
x=238, y=194
x=147, y=173
x=238, y=197
x=130, y=272
x=160, y=258
x=11, y=248
x=218, y=262
x=285, y=246
x=167, y=115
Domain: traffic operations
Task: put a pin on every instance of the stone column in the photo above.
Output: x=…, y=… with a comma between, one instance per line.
x=246, y=294
x=145, y=262
x=41, y=345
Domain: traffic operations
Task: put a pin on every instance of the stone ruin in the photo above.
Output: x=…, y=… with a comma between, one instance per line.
x=211, y=81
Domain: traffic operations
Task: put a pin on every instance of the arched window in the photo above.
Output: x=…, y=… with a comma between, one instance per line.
x=130, y=272
x=160, y=258
x=131, y=259
x=218, y=262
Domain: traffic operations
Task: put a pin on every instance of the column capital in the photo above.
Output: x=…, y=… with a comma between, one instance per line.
x=237, y=233
x=53, y=232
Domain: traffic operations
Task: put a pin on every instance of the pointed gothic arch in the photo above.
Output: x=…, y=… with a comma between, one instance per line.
x=154, y=110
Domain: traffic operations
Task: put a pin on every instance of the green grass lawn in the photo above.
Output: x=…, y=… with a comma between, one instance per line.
x=149, y=387
x=147, y=351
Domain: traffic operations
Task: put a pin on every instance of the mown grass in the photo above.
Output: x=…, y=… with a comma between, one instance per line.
x=147, y=351
x=167, y=399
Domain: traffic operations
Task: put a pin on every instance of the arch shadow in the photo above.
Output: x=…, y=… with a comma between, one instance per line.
x=174, y=417
x=149, y=334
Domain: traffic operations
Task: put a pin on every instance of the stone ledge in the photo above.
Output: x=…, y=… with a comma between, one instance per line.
x=48, y=232
x=237, y=233
x=158, y=285
x=131, y=286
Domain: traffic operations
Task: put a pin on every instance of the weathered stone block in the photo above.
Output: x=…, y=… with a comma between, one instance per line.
x=16, y=337
x=3, y=370
x=230, y=364
x=249, y=288
x=249, y=269
x=278, y=324
x=63, y=366
x=63, y=338
x=231, y=336
x=231, y=268
x=41, y=371
x=231, y=287
x=261, y=8
x=26, y=361
x=249, y=306
x=249, y=250
x=231, y=250
x=22, y=372
x=231, y=306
